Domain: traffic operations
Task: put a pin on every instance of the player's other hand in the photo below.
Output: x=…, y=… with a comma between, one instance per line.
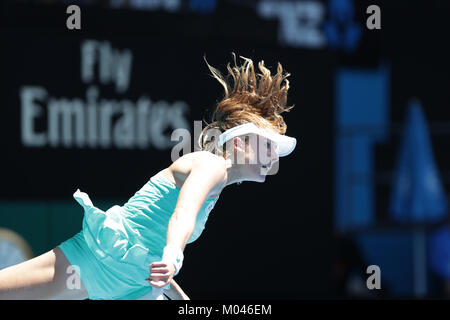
x=161, y=273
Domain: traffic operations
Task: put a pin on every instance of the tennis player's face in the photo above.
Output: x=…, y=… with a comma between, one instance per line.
x=261, y=155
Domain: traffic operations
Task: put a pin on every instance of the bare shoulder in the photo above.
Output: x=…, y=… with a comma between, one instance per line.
x=206, y=157
x=202, y=160
x=198, y=158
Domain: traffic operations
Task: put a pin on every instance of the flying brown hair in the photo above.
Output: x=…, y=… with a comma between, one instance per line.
x=259, y=98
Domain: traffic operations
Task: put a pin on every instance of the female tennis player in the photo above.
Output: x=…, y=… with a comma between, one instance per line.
x=132, y=250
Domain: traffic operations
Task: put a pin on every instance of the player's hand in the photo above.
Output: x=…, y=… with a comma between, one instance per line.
x=161, y=273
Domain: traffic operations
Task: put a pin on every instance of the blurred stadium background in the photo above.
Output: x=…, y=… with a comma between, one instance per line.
x=367, y=185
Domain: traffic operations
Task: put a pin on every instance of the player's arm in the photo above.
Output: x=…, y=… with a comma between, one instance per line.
x=208, y=171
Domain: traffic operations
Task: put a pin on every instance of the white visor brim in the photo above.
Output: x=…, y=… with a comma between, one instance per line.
x=285, y=144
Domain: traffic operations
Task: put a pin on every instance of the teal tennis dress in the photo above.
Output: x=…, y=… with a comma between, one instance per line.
x=115, y=248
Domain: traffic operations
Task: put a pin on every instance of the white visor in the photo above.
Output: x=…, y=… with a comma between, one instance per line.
x=285, y=144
